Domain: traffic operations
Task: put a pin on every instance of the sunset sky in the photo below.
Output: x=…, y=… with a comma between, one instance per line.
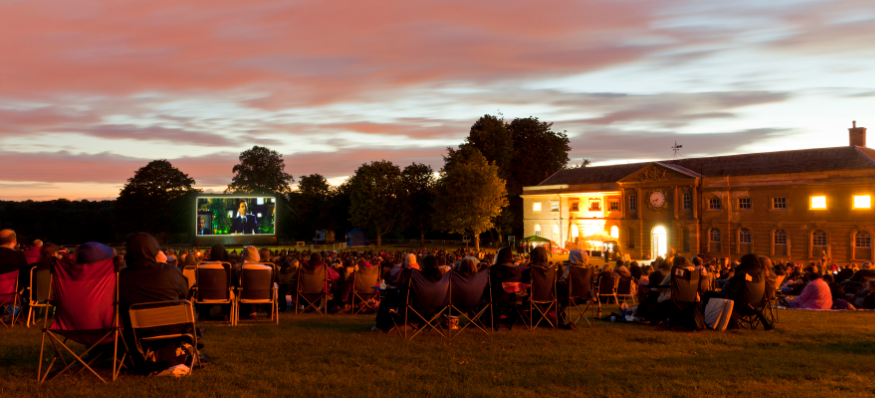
x=91, y=91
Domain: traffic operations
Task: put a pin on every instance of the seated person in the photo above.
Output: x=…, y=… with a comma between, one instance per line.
x=146, y=280
x=835, y=289
x=816, y=294
x=12, y=260
x=507, y=281
x=467, y=267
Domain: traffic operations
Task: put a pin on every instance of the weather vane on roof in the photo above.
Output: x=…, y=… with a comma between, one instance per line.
x=676, y=149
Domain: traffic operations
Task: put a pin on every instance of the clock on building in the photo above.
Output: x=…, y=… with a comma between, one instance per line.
x=657, y=200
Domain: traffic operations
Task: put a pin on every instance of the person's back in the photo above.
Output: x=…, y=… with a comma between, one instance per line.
x=815, y=295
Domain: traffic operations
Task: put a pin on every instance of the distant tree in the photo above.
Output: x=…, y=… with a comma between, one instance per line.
x=493, y=139
x=311, y=203
x=157, y=199
x=417, y=183
x=261, y=170
x=469, y=196
x=583, y=163
x=375, y=196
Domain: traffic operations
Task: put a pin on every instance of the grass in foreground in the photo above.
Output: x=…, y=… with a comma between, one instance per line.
x=809, y=354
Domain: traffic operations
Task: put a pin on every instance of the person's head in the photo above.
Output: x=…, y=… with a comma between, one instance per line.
x=218, y=253
x=635, y=270
x=264, y=253
x=679, y=261
x=242, y=208
x=49, y=250
x=467, y=267
x=619, y=264
x=410, y=261
x=315, y=259
x=750, y=261
x=141, y=250
x=37, y=243
x=251, y=255
x=201, y=221
x=8, y=238
x=505, y=255
x=697, y=262
x=539, y=256
x=866, y=265
x=430, y=265
x=577, y=257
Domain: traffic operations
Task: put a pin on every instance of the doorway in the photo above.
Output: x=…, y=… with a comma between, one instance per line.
x=658, y=242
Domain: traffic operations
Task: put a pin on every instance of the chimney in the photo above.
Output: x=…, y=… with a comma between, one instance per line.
x=857, y=135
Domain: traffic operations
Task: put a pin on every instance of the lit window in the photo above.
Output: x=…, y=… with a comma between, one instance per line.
x=575, y=206
x=863, y=202
x=714, y=203
x=780, y=237
x=615, y=232
x=744, y=236
x=863, y=240
x=779, y=203
x=555, y=232
x=744, y=203
x=536, y=206
x=537, y=230
x=614, y=205
x=632, y=203
x=818, y=202
x=554, y=206
x=575, y=231
x=688, y=202
x=819, y=238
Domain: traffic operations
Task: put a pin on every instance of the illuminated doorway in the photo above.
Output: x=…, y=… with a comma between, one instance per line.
x=658, y=242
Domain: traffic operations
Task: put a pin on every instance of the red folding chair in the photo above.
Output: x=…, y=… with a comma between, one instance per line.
x=9, y=295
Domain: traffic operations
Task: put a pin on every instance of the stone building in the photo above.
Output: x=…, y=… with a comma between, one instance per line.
x=791, y=205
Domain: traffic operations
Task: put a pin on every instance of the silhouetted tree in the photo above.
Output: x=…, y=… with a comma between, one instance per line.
x=158, y=199
x=261, y=170
x=417, y=183
x=375, y=195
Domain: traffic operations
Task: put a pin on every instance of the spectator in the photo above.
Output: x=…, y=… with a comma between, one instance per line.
x=816, y=295
x=12, y=260
x=467, y=267
x=32, y=254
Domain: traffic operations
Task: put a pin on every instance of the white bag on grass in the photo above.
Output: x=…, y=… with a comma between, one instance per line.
x=718, y=312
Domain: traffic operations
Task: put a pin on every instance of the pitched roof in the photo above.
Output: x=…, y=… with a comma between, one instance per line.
x=799, y=161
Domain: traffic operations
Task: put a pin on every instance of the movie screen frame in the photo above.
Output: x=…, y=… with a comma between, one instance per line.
x=217, y=212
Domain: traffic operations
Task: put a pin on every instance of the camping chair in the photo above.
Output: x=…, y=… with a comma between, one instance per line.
x=189, y=272
x=607, y=288
x=626, y=288
x=213, y=286
x=580, y=291
x=471, y=298
x=772, y=294
x=543, y=294
x=312, y=284
x=510, y=297
x=163, y=313
x=753, y=300
x=426, y=303
x=363, y=284
x=9, y=295
x=684, y=295
x=257, y=287
x=85, y=297
x=38, y=292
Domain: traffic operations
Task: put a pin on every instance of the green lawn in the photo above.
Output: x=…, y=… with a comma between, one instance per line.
x=809, y=354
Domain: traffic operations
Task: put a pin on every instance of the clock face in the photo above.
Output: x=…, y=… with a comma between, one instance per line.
x=657, y=199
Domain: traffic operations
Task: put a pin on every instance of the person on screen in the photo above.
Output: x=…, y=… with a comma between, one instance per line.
x=201, y=226
x=244, y=223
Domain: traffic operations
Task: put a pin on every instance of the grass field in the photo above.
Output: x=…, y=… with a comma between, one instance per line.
x=809, y=354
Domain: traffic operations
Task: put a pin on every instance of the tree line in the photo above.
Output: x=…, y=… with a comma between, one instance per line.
x=476, y=191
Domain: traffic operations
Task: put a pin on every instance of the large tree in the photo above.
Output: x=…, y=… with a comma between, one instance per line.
x=311, y=203
x=538, y=152
x=375, y=195
x=417, y=182
x=469, y=196
x=261, y=170
x=157, y=199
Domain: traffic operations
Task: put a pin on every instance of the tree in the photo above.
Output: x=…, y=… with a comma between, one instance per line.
x=417, y=183
x=157, y=199
x=375, y=195
x=311, y=203
x=261, y=170
x=469, y=196
x=583, y=163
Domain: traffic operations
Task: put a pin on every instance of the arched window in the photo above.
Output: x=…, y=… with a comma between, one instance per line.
x=537, y=229
x=744, y=236
x=819, y=238
x=615, y=232
x=575, y=232
x=715, y=235
x=862, y=246
x=714, y=244
x=556, y=233
x=780, y=242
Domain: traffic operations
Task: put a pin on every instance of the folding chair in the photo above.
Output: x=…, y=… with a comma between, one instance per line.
x=161, y=314
x=190, y=274
x=38, y=292
x=312, y=289
x=580, y=290
x=772, y=293
x=213, y=286
x=471, y=298
x=512, y=298
x=9, y=294
x=85, y=297
x=752, y=301
x=426, y=303
x=543, y=293
x=684, y=295
x=626, y=289
x=362, y=288
x=607, y=287
x=257, y=287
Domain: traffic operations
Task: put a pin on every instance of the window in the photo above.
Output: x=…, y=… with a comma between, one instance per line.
x=595, y=205
x=575, y=232
x=554, y=206
x=630, y=238
x=819, y=238
x=633, y=203
x=863, y=240
x=744, y=236
x=537, y=230
x=615, y=232
x=818, y=202
x=614, y=205
x=715, y=235
x=688, y=201
x=743, y=203
x=556, y=232
x=714, y=203
x=536, y=206
x=780, y=237
x=863, y=202
x=779, y=203
x=575, y=206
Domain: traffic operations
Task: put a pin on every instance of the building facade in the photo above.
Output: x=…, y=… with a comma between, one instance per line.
x=789, y=205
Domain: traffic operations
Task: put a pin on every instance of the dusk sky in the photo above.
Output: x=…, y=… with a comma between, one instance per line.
x=91, y=91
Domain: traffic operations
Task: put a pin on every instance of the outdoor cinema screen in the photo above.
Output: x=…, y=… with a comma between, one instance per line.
x=235, y=215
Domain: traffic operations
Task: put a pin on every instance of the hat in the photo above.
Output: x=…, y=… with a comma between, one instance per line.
x=251, y=255
x=410, y=260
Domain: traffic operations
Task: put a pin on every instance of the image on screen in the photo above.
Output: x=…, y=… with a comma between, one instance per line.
x=236, y=216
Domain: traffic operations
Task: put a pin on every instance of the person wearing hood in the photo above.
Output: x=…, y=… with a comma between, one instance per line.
x=146, y=280
x=507, y=281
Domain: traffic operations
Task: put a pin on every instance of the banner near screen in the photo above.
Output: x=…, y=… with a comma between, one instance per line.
x=236, y=216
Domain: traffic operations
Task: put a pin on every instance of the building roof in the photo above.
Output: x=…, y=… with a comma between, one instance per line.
x=782, y=162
